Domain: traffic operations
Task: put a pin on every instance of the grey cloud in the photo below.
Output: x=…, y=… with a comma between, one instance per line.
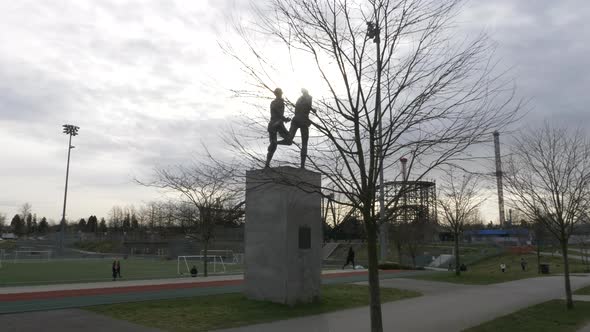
x=549, y=54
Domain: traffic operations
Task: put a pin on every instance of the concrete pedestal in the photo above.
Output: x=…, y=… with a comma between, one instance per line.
x=283, y=235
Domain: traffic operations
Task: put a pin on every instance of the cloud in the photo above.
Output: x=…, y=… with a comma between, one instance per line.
x=140, y=79
x=148, y=85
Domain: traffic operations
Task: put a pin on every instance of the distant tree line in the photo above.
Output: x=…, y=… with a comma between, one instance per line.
x=24, y=223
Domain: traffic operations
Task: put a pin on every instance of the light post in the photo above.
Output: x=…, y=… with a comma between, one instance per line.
x=373, y=32
x=72, y=131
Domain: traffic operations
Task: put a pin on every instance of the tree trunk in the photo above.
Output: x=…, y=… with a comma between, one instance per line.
x=205, y=260
x=399, y=252
x=538, y=257
x=566, y=272
x=457, y=263
x=375, y=305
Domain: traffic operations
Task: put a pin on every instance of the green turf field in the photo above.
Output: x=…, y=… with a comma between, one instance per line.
x=90, y=270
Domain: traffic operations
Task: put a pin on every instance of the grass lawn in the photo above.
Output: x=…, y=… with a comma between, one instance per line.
x=89, y=270
x=471, y=252
x=583, y=291
x=550, y=316
x=206, y=313
x=487, y=271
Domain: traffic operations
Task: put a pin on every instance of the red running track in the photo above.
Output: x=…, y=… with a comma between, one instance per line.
x=44, y=295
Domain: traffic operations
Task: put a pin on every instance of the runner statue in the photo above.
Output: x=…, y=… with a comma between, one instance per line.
x=276, y=125
x=301, y=121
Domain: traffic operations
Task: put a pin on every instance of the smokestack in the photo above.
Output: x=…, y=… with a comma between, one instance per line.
x=404, y=170
x=499, y=178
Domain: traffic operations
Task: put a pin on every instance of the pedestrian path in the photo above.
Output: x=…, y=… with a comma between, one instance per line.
x=442, y=308
x=51, y=297
x=559, y=255
x=67, y=320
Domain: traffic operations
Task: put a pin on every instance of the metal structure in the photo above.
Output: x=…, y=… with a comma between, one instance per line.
x=417, y=200
x=70, y=130
x=499, y=178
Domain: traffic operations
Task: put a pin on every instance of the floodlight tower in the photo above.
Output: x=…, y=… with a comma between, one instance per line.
x=70, y=130
x=499, y=178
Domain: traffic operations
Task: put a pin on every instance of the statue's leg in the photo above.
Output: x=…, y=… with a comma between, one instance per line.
x=272, y=147
x=287, y=140
x=304, y=139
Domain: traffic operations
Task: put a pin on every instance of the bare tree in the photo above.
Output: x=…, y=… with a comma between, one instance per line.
x=212, y=192
x=549, y=180
x=416, y=233
x=2, y=222
x=394, y=84
x=459, y=198
x=25, y=210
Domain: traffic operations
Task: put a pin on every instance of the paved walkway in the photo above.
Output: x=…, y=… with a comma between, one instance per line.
x=69, y=320
x=444, y=307
x=553, y=254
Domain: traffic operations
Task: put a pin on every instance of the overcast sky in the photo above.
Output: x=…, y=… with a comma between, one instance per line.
x=147, y=83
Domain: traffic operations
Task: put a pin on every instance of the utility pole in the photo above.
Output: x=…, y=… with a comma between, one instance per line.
x=373, y=32
x=499, y=178
x=70, y=130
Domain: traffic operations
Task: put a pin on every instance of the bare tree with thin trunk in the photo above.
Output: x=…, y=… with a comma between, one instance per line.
x=548, y=179
x=394, y=83
x=25, y=210
x=459, y=198
x=2, y=221
x=213, y=192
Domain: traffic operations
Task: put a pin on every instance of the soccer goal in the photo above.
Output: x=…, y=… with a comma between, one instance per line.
x=185, y=263
x=227, y=255
x=24, y=255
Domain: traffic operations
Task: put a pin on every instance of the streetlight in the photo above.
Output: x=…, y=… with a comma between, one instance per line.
x=72, y=131
x=373, y=32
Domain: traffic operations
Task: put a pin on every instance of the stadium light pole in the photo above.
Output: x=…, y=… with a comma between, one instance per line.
x=70, y=130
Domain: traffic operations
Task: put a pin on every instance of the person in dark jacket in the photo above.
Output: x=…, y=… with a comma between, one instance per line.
x=114, y=270
x=118, y=267
x=349, y=259
x=194, y=271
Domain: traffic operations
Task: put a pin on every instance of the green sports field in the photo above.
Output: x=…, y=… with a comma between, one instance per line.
x=91, y=270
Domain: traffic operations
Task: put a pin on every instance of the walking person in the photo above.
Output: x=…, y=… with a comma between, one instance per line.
x=349, y=258
x=522, y=264
x=114, y=268
x=118, y=267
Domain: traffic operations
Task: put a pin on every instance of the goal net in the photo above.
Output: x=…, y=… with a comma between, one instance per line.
x=185, y=263
x=32, y=255
x=229, y=256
